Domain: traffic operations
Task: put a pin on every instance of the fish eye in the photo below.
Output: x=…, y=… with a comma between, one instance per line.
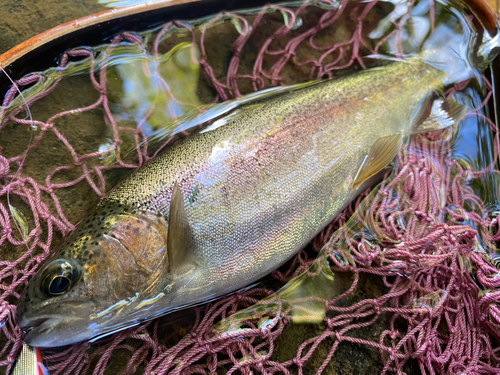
x=58, y=277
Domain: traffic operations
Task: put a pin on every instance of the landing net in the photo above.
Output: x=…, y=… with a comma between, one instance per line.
x=417, y=263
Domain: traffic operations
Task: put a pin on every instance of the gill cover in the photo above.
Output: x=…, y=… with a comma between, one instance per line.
x=146, y=250
x=136, y=247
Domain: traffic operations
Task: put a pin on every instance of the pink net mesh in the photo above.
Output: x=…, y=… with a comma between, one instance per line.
x=437, y=301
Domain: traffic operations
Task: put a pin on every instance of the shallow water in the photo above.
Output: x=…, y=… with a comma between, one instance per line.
x=21, y=20
x=86, y=133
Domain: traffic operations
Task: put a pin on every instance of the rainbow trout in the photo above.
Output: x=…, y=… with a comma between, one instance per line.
x=226, y=206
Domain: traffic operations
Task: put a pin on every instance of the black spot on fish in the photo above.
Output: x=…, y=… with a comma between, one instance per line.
x=193, y=195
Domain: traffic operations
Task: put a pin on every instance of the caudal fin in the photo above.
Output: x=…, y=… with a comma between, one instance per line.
x=457, y=51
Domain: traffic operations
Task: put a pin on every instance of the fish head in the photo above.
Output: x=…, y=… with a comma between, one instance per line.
x=112, y=256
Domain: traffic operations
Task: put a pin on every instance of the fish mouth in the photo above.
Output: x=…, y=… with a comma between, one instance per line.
x=31, y=318
x=28, y=326
x=51, y=331
x=45, y=327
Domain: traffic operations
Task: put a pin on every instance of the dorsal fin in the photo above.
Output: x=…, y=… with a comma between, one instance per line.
x=179, y=234
x=381, y=153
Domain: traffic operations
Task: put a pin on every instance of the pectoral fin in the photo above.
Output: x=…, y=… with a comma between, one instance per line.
x=179, y=247
x=444, y=113
x=381, y=154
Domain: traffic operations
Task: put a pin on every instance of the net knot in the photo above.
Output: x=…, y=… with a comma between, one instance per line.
x=337, y=336
x=297, y=362
x=393, y=334
x=201, y=343
x=260, y=365
x=45, y=215
x=7, y=231
x=263, y=333
x=390, y=351
x=209, y=349
x=4, y=166
x=45, y=126
x=238, y=297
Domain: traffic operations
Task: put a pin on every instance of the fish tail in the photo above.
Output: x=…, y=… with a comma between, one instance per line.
x=488, y=50
x=460, y=55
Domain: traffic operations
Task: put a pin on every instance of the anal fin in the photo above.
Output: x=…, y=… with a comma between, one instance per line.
x=444, y=113
x=381, y=153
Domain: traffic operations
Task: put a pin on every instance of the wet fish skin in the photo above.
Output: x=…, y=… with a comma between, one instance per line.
x=254, y=190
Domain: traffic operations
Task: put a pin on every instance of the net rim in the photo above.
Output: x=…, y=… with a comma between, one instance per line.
x=17, y=55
